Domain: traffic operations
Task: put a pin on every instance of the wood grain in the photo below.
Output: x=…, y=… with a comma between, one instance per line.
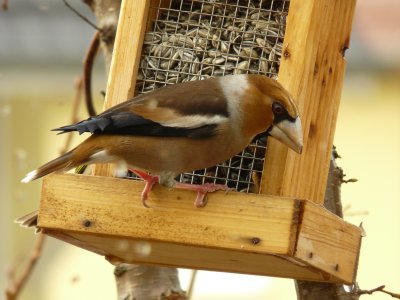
x=113, y=206
x=319, y=231
x=312, y=69
x=125, y=60
x=236, y=232
x=187, y=256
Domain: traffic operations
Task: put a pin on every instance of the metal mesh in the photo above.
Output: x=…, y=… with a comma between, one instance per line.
x=195, y=39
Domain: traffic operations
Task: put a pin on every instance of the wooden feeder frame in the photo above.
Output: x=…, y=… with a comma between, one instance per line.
x=272, y=233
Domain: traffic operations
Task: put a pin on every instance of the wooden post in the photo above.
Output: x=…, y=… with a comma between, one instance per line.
x=127, y=48
x=312, y=69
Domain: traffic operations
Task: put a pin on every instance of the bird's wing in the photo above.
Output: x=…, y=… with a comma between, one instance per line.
x=193, y=109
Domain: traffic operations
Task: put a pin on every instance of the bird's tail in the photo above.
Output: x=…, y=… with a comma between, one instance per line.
x=29, y=221
x=62, y=163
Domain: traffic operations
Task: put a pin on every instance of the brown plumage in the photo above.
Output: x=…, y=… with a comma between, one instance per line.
x=184, y=127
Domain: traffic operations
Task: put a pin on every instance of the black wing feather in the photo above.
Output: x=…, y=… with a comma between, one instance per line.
x=127, y=123
x=120, y=120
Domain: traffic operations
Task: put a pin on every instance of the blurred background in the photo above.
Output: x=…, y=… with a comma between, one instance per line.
x=42, y=44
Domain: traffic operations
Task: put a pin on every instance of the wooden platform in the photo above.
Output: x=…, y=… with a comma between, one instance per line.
x=243, y=233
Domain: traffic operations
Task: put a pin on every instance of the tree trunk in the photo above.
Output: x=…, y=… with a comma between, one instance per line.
x=106, y=12
x=147, y=282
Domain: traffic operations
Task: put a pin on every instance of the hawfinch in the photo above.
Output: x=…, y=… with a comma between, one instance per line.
x=184, y=127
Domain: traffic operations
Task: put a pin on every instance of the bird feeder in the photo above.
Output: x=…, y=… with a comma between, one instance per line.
x=275, y=223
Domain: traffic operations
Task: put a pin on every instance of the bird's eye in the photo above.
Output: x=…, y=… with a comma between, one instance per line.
x=277, y=108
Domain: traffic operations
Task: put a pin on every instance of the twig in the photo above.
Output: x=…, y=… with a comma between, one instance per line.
x=87, y=72
x=191, y=284
x=337, y=179
x=394, y=295
x=81, y=16
x=347, y=210
x=5, y=5
x=381, y=289
x=351, y=180
x=16, y=286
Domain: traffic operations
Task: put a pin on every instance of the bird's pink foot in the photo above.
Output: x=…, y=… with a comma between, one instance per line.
x=202, y=190
x=150, y=182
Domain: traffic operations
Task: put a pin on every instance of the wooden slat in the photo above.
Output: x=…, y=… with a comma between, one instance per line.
x=125, y=59
x=319, y=231
x=312, y=69
x=127, y=48
x=178, y=255
x=113, y=206
x=236, y=232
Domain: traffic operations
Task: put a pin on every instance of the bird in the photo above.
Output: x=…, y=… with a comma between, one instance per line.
x=183, y=127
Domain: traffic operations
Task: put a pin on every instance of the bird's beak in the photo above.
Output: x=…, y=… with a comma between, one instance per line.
x=289, y=133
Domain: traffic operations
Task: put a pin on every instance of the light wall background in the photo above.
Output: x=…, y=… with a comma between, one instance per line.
x=41, y=47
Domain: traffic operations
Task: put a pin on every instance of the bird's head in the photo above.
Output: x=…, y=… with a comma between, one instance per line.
x=286, y=124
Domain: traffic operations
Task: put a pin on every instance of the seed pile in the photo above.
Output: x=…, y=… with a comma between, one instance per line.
x=195, y=39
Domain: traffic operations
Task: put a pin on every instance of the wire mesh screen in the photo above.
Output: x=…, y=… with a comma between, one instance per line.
x=195, y=39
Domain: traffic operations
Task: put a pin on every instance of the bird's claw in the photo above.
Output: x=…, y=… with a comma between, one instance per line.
x=201, y=200
x=150, y=182
x=202, y=190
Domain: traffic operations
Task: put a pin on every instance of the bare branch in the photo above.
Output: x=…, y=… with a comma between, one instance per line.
x=381, y=289
x=394, y=295
x=191, y=284
x=81, y=16
x=87, y=72
x=356, y=292
x=17, y=285
x=351, y=180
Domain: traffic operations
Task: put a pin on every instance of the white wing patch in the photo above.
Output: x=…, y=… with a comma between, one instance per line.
x=194, y=121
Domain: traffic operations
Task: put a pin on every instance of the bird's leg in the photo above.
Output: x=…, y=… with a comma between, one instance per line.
x=202, y=190
x=150, y=182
